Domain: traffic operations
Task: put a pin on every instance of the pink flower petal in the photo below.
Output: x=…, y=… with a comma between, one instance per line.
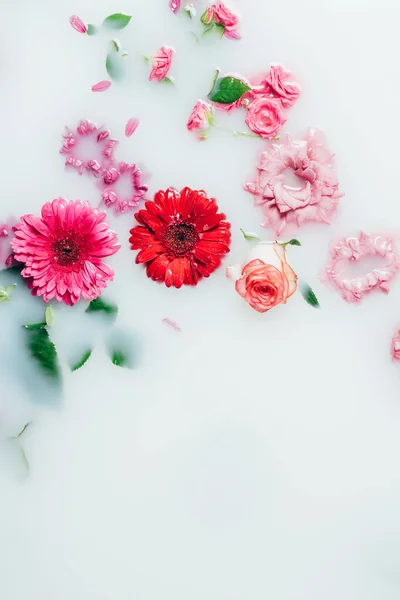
x=172, y=324
x=102, y=86
x=131, y=127
x=77, y=24
x=175, y=5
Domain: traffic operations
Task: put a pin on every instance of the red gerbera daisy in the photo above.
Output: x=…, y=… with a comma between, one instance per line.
x=181, y=238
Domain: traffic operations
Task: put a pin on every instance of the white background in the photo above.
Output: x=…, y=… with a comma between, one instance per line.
x=250, y=456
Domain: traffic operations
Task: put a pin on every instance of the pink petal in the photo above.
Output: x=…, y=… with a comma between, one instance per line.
x=77, y=24
x=175, y=5
x=172, y=324
x=232, y=35
x=131, y=127
x=102, y=86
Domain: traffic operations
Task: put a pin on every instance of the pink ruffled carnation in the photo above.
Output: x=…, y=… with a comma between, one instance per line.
x=198, y=120
x=315, y=199
x=279, y=84
x=104, y=145
x=395, y=346
x=63, y=251
x=123, y=203
x=354, y=249
x=161, y=63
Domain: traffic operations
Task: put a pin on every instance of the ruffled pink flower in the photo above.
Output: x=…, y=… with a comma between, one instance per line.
x=198, y=119
x=316, y=199
x=161, y=63
x=6, y=233
x=103, y=147
x=77, y=24
x=123, y=203
x=266, y=279
x=63, y=251
x=395, y=346
x=355, y=249
x=221, y=15
x=265, y=116
x=279, y=84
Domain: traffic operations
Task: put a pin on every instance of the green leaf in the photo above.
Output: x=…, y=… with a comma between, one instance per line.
x=293, y=242
x=5, y=293
x=49, y=316
x=99, y=305
x=34, y=326
x=115, y=45
x=309, y=296
x=227, y=90
x=249, y=235
x=122, y=349
x=217, y=72
x=91, y=30
x=84, y=358
x=44, y=352
x=119, y=358
x=117, y=21
x=115, y=66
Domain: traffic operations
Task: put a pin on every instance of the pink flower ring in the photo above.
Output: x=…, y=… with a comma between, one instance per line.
x=104, y=145
x=317, y=196
x=355, y=249
x=121, y=202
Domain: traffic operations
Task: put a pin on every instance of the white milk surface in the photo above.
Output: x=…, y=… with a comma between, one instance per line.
x=251, y=456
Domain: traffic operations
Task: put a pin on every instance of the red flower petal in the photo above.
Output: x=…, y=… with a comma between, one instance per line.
x=157, y=267
x=149, y=253
x=175, y=273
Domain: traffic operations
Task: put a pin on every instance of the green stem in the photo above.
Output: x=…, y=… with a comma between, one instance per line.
x=234, y=133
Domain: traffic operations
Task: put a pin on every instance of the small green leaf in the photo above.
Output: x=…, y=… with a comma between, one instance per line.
x=44, y=352
x=217, y=72
x=227, y=90
x=34, y=326
x=49, y=316
x=119, y=359
x=99, y=305
x=248, y=235
x=115, y=66
x=294, y=242
x=91, y=30
x=11, y=288
x=122, y=349
x=309, y=296
x=5, y=293
x=85, y=357
x=115, y=45
x=169, y=80
x=117, y=21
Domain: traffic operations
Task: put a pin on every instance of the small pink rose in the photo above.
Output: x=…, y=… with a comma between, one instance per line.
x=199, y=117
x=102, y=86
x=279, y=83
x=77, y=24
x=265, y=116
x=131, y=127
x=161, y=63
x=225, y=17
x=208, y=16
x=267, y=279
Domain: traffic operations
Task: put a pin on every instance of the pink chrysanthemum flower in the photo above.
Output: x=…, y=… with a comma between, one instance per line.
x=102, y=147
x=63, y=251
x=316, y=196
x=111, y=180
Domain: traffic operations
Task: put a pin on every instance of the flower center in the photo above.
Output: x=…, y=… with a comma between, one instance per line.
x=180, y=238
x=66, y=251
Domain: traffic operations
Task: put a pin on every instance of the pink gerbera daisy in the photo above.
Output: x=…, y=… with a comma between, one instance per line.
x=63, y=251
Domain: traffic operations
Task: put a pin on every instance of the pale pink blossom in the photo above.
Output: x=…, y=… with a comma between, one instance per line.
x=265, y=116
x=266, y=279
x=78, y=24
x=317, y=196
x=354, y=249
x=123, y=203
x=131, y=127
x=102, y=86
x=198, y=119
x=161, y=63
x=63, y=251
x=103, y=144
x=279, y=84
x=175, y=5
x=395, y=346
x=171, y=323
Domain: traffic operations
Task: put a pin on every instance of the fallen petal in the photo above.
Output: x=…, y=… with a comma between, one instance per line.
x=102, y=86
x=172, y=324
x=175, y=5
x=131, y=127
x=77, y=24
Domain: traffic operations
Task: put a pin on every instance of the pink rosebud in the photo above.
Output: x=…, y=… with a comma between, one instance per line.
x=131, y=127
x=161, y=63
x=175, y=5
x=199, y=117
x=102, y=86
x=78, y=24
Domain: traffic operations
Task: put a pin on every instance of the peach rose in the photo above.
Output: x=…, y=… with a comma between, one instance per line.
x=199, y=117
x=161, y=63
x=265, y=116
x=266, y=280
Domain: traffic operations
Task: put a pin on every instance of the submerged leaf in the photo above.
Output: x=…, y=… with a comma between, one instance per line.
x=117, y=21
x=44, y=352
x=248, y=235
x=91, y=29
x=115, y=66
x=49, y=316
x=228, y=90
x=84, y=358
x=33, y=326
x=99, y=305
x=5, y=293
x=122, y=349
x=309, y=296
x=119, y=358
